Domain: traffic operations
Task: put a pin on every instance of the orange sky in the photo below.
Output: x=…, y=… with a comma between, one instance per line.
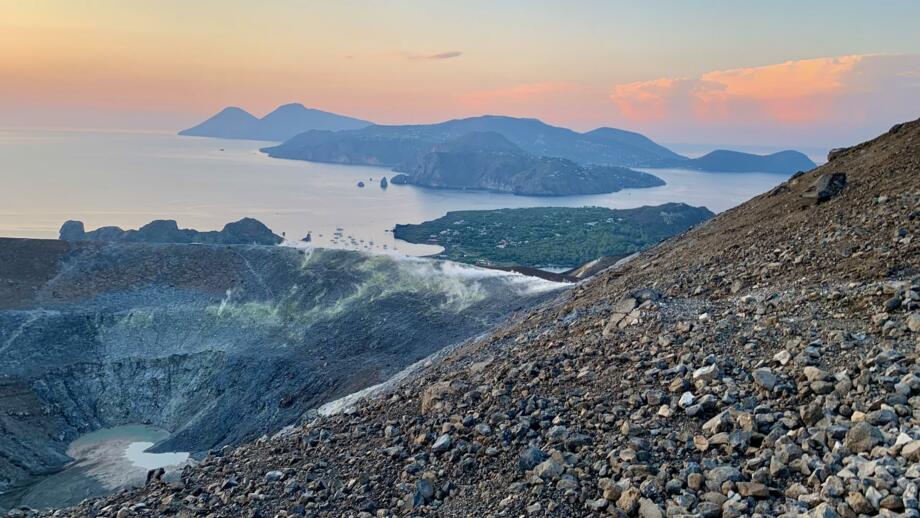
x=795, y=92
x=662, y=67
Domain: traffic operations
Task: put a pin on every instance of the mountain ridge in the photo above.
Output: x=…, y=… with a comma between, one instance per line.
x=531, y=135
x=398, y=145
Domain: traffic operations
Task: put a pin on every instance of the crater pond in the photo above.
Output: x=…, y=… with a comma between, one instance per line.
x=104, y=460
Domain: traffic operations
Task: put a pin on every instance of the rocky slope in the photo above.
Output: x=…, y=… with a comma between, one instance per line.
x=488, y=161
x=762, y=364
x=215, y=343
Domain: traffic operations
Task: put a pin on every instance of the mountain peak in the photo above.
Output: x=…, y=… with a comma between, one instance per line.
x=233, y=109
x=281, y=124
x=224, y=124
x=290, y=107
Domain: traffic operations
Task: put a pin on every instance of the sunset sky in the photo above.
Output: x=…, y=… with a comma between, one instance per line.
x=779, y=72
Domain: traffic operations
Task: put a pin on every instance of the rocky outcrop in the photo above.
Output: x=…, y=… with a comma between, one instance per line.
x=217, y=344
x=73, y=231
x=826, y=187
x=247, y=231
x=776, y=374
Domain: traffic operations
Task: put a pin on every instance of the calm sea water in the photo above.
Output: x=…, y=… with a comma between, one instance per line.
x=128, y=179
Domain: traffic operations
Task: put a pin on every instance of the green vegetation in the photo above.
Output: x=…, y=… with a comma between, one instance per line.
x=551, y=236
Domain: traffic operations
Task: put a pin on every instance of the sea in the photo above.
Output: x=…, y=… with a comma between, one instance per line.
x=128, y=179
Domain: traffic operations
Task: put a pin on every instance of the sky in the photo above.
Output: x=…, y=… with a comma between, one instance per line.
x=798, y=74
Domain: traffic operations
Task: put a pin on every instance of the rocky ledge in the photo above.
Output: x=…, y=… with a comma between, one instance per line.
x=247, y=231
x=763, y=364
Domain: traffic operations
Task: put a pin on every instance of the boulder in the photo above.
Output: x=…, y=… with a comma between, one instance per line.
x=765, y=378
x=826, y=187
x=442, y=444
x=863, y=437
x=649, y=509
x=530, y=457
x=433, y=394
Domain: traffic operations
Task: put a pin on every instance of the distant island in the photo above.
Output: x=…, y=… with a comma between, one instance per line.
x=245, y=231
x=495, y=153
x=489, y=161
x=284, y=122
x=724, y=161
x=551, y=236
x=400, y=147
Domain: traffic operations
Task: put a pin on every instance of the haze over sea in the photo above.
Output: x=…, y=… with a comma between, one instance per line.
x=130, y=178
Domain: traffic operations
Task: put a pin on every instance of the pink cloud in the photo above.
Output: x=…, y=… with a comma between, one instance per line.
x=795, y=93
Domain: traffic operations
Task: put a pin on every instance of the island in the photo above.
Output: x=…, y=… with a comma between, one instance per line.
x=284, y=122
x=488, y=161
x=400, y=147
x=725, y=161
x=560, y=237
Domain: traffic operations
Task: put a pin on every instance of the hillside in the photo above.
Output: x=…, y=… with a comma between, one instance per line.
x=281, y=124
x=551, y=236
x=764, y=363
x=488, y=161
